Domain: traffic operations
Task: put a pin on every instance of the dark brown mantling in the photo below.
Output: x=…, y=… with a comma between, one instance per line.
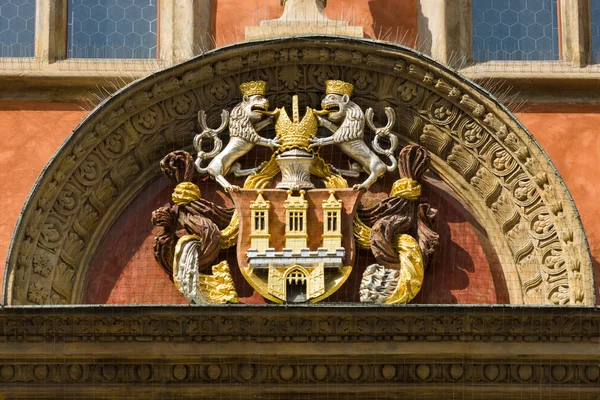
x=269, y=351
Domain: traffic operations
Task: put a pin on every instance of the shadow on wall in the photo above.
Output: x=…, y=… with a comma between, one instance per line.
x=466, y=269
x=394, y=20
x=424, y=39
x=596, y=268
x=123, y=270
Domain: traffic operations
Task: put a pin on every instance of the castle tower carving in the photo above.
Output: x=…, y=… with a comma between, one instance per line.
x=296, y=236
x=260, y=237
x=332, y=221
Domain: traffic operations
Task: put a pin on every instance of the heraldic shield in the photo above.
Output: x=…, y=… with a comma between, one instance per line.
x=296, y=247
x=296, y=226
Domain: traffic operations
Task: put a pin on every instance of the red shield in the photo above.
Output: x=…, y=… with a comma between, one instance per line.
x=262, y=280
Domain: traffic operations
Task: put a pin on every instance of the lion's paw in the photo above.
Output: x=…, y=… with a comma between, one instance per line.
x=232, y=188
x=358, y=187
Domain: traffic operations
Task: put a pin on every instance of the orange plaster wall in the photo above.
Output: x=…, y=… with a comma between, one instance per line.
x=571, y=137
x=393, y=20
x=31, y=133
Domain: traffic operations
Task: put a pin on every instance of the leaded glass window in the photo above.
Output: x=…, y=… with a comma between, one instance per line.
x=17, y=28
x=112, y=28
x=595, y=4
x=515, y=30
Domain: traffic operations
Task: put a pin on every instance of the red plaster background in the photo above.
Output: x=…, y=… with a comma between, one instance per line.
x=393, y=20
x=466, y=270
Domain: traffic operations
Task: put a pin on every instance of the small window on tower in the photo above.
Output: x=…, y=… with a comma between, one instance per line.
x=259, y=221
x=332, y=221
x=296, y=221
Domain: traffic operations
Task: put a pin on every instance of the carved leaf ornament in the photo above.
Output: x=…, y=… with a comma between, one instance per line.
x=480, y=150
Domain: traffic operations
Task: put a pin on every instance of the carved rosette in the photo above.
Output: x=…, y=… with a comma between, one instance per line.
x=480, y=150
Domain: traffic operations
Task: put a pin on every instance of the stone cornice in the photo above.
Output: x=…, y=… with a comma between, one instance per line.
x=317, y=351
x=534, y=83
x=315, y=323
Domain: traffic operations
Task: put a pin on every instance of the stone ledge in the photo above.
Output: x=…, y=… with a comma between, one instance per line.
x=270, y=31
x=543, y=83
x=347, y=322
x=318, y=352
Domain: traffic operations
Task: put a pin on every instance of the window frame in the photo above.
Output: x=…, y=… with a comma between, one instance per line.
x=183, y=32
x=450, y=22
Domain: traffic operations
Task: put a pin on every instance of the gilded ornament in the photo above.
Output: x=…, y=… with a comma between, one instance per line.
x=362, y=233
x=407, y=188
x=200, y=288
x=338, y=87
x=254, y=88
x=323, y=170
x=412, y=271
x=296, y=133
x=185, y=192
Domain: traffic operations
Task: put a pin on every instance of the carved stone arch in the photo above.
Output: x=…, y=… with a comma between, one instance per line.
x=478, y=148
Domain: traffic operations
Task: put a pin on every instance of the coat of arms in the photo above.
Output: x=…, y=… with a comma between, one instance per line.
x=296, y=225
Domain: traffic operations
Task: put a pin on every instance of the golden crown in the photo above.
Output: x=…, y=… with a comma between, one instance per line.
x=254, y=88
x=296, y=133
x=338, y=87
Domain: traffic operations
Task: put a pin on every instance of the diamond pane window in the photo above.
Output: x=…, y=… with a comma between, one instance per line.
x=112, y=28
x=595, y=4
x=515, y=30
x=17, y=28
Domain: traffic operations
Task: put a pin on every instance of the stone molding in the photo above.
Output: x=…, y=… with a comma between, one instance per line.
x=477, y=147
x=305, y=323
x=209, y=352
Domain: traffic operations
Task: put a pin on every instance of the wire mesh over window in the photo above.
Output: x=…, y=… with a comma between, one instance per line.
x=515, y=30
x=17, y=28
x=112, y=28
x=595, y=5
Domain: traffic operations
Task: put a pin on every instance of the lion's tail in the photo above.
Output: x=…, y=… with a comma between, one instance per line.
x=389, y=152
x=201, y=171
x=392, y=167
